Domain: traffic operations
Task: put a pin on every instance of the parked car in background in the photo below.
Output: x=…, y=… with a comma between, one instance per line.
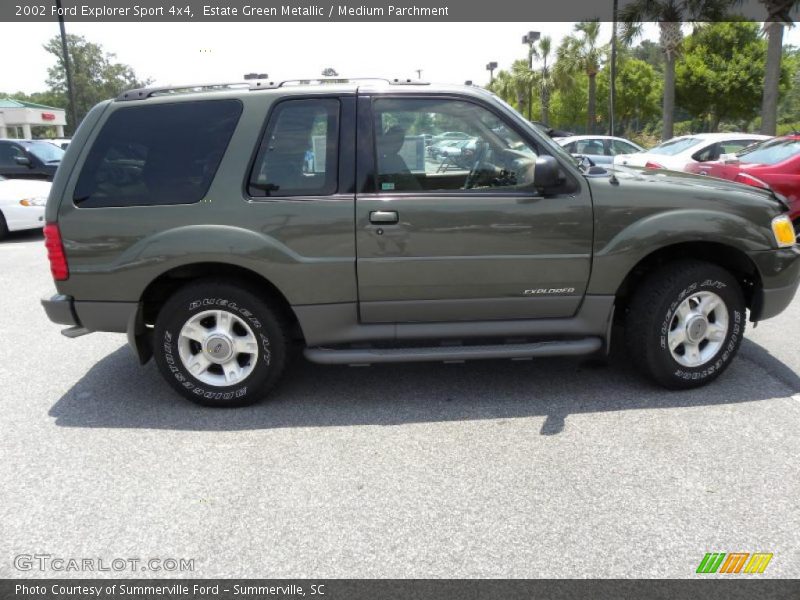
x=442, y=147
x=680, y=151
x=553, y=133
x=22, y=204
x=449, y=135
x=460, y=153
x=600, y=149
x=29, y=159
x=775, y=165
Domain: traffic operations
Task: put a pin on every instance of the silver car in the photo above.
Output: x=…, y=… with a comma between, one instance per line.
x=600, y=149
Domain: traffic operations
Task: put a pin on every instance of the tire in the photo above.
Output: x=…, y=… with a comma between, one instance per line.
x=667, y=307
x=205, y=325
x=3, y=227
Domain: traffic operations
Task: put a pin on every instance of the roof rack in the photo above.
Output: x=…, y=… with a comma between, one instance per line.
x=142, y=93
x=253, y=84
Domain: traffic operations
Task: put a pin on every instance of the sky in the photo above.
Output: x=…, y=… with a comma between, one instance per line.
x=175, y=53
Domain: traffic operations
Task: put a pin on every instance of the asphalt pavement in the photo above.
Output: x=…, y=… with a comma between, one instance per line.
x=548, y=468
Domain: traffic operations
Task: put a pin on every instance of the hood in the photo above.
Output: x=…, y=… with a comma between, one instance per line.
x=16, y=189
x=640, y=159
x=700, y=186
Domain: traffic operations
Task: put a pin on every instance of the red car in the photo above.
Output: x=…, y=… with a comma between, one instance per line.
x=772, y=164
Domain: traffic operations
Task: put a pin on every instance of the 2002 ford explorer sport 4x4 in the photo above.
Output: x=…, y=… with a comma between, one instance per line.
x=216, y=225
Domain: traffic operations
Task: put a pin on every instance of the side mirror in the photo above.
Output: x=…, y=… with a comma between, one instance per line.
x=546, y=172
x=22, y=161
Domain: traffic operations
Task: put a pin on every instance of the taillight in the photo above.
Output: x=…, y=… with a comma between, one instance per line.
x=652, y=165
x=55, y=252
x=748, y=179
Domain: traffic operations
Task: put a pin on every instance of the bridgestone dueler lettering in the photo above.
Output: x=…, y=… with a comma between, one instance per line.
x=250, y=316
x=652, y=316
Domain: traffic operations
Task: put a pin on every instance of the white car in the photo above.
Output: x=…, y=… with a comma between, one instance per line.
x=680, y=151
x=601, y=149
x=22, y=204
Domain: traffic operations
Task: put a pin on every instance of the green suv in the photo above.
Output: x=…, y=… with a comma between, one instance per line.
x=219, y=225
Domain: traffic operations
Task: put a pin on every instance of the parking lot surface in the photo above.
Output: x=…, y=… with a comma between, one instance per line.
x=549, y=468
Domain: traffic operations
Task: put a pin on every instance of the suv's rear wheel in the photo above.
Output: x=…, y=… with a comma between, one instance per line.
x=219, y=344
x=3, y=227
x=686, y=323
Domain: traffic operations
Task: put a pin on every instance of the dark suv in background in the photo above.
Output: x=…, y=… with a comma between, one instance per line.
x=218, y=225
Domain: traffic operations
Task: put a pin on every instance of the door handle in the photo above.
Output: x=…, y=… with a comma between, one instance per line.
x=384, y=217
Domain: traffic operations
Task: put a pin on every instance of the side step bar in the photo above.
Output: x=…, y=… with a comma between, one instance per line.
x=365, y=356
x=75, y=331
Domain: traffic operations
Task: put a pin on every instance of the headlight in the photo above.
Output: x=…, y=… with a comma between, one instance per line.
x=35, y=201
x=783, y=230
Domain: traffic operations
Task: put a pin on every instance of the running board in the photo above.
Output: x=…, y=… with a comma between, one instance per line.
x=366, y=356
x=75, y=331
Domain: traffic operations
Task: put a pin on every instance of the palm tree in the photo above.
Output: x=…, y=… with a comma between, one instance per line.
x=523, y=83
x=503, y=86
x=668, y=14
x=512, y=86
x=777, y=15
x=580, y=53
x=541, y=51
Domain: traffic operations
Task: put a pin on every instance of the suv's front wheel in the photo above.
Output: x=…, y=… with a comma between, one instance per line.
x=686, y=323
x=219, y=344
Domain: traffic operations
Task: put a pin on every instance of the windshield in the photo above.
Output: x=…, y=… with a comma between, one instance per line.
x=673, y=146
x=772, y=152
x=45, y=151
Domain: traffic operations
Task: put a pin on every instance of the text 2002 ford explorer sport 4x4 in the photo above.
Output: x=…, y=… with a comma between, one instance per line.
x=217, y=225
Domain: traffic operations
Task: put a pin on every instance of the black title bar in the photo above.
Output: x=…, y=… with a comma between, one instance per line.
x=267, y=11
x=732, y=588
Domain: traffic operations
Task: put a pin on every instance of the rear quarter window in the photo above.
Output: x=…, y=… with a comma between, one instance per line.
x=157, y=154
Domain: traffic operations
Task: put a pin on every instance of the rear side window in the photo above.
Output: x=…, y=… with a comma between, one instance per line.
x=299, y=152
x=708, y=153
x=157, y=154
x=772, y=152
x=674, y=146
x=620, y=147
x=594, y=147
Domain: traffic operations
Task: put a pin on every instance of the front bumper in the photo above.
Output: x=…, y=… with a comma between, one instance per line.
x=19, y=217
x=780, y=277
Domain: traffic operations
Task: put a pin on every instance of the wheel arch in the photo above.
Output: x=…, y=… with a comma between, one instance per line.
x=734, y=260
x=160, y=289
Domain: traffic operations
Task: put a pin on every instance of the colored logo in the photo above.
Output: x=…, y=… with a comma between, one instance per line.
x=734, y=562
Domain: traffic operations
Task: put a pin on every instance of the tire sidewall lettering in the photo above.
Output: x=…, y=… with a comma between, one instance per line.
x=185, y=379
x=727, y=350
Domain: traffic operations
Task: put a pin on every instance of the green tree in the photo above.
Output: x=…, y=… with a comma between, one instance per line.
x=95, y=75
x=541, y=51
x=524, y=80
x=580, y=53
x=651, y=53
x=789, y=106
x=668, y=14
x=777, y=15
x=503, y=86
x=638, y=95
x=721, y=72
x=568, y=105
x=514, y=85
